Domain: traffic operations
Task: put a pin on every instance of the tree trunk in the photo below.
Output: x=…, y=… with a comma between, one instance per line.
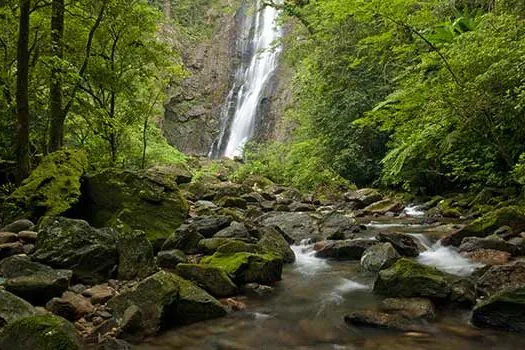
x=167, y=8
x=56, y=112
x=22, y=94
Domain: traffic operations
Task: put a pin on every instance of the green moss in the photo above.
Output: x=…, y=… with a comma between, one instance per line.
x=511, y=216
x=212, y=279
x=52, y=188
x=43, y=332
x=234, y=246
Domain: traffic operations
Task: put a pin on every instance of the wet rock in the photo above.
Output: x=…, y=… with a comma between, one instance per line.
x=70, y=306
x=28, y=236
x=40, y=332
x=376, y=319
x=503, y=310
x=32, y=281
x=185, y=238
x=10, y=249
x=256, y=290
x=351, y=249
x=236, y=230
x=384, y=206
x=135, y=255
x=404, y=244
x=248, y=267
x=407, y=279
x=364, y=197
x=73, y=244
x=489, y=256
x=210, y=225
x=471, y=244
x=18, y=226
x=169, y=259
x=272, y=241
x=498, y=278
x=8, y=237
x=235, y=305
x=13, y=308
x=212, y=279
x=379, y=257
x=412, y=308
x=99, y=294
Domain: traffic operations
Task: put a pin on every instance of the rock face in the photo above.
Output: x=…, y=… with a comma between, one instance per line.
x=41, y=332
x=350, y=249
x=52, y=188
x=404, y=244
x=13, y=308
x=212, y=279
x=248, y=267
x=379, y=257
x=32, y=281
x=272, y=241
x=135, y=255
x=73, y=244
x=503, y=310
x=139, y=200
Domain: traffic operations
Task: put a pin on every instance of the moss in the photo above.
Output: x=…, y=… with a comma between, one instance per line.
x=43, y=332
x=511, y=216
x=212, y=279
x=52, y=188
x=234, y=246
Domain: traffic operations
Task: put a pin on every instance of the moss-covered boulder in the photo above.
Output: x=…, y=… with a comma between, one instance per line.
x=513, y=217
x=350, y=249
x=168, y=174
x=41, y=332
x=73, y=244
x=407, y=279
x=169, y=259
x=13, y=308
x=235, y=246
x=212, y=279
x=135, y=255
x=53, y=187
x=273, y=241
x=185, y=238
x=363, y=197
x=136, y=199
x=248, y=267
x=384, y=206
x=503, y=310
x=209, y=246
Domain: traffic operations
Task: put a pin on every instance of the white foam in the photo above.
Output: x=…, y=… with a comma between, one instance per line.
x=447, y=259
x=305, y=260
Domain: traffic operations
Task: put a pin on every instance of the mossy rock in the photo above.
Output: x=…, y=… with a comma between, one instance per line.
x=212, y=279
x=185, y=238
x=41, y=332
x=135, y=255
x=384, y=206
x=248, y=267
x=408, y=279
x=232, y=202
x=503, y=310
x=136, y=200
x=13, y=308
x=273, y=241
x=210, y=245
x=235, y=246
x=52, y=189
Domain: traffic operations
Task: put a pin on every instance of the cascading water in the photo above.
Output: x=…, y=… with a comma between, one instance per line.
x=239, y=114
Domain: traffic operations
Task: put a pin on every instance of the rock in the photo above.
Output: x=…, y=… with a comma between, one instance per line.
x=364, y=197
x=99, y=294
x=256, y=290
x=235, y=305
x=40, y=332
x=73, y=244
x=407, y=279
x=18, y=226
x=210, y=225
x=131, y=324
x=209, y=246
x=404, y=244
x=52, y=189
x=301, y=207
x=232, y=202
x=10, y=249
x=135, y=256
x=384, y=206
x=338, y=226
x=298, y=226
x=376, y=319
x=169, y=174
x=412, y=308
x=185, y=238
x=498, y=278
x=70, y=306
x=248, y=267
x=13, y=308
x=489, y=256
x=28, y=249
x=165, y=299
x=350, y=249
x=273, y=242
x=487, y=224
x=253, y=197
x=212, y=279
x=28, y=236
x=8, y=237
x=235, y=230
x=379, y=257
x=503, y=310
x=169, y=259
x=32, y=281
x=140, y=200
x=235, y=246
x=471, y=244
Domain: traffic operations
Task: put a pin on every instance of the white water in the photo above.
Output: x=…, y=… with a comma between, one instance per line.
x=447, y=259
x=305, y=260
x=414, y=211
x=251, y=79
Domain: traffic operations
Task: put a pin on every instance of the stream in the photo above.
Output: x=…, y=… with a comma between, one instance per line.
x=307, y=307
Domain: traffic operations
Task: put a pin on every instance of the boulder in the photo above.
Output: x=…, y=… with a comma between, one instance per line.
x=298, y=225
x=99, y=294
x=411, y=308
x=40, y=332
x=169, y=259
x=10, y=249
x=232, y=202
x=70, y=306
x=28, y=236
x=379, y=257
x=209, y=246
x=408, y=279
x=272, y=241
x=236, y=230
x=336, y=226
x=135, y=255
x=212, y=279
x=13, y=308
x=489, y=256
x=8, y=237
x=487, y=224
x=248, y=267
x=350, y=249
x=502, y=277
x=18, y=226
x=377, y=319
x=384, y=206
x=471, y=244
x=139, y=200
x=404, y=244
x=32, y=281
x=210, y=225
x=235, y=246
x=503, y=310
x=73, y=244
x=363, y=197
x=185, y=238
x=52, y=189
x=169, y=174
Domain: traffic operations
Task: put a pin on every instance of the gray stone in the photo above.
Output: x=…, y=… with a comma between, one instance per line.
x=379, y=257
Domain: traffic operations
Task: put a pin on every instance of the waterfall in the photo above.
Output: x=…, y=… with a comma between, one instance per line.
x=239, y=112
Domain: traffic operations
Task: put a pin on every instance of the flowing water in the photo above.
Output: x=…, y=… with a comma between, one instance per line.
x=253, y=74
x=307, y=308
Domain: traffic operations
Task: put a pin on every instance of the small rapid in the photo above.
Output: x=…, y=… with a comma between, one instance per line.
x=448, y=259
